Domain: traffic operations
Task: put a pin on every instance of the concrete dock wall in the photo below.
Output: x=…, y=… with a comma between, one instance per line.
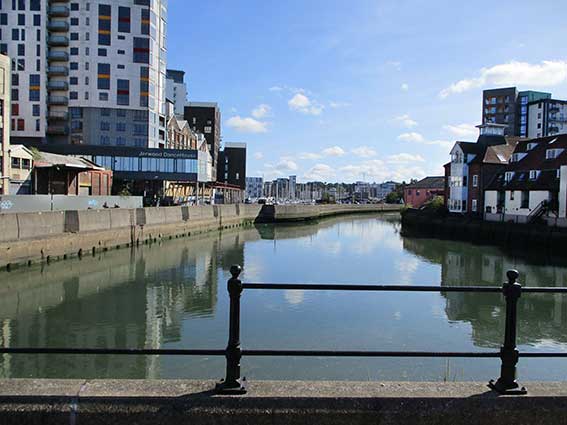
x=46, y=236
x=53, y=402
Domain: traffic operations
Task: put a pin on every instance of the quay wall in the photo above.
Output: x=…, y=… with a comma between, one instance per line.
x=46, y=236
x=517, y=235
x=53, y=402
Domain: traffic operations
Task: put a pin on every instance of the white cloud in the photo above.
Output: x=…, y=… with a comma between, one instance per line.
x=286, y=164
x=405, y=158
x=261, y=111
x=405, y=87
x=379, y=171
x=544, y=74
x=334, y=151
x=414, y=137
x=301, y=103
x=247, y=125
x=411, y=137
x=394, y=64
x=364, y=152
x=258, y=155
x=276, y=88
x=309, y=155
x=320, y=172
x=280, y=169
x=406, y=121
x=462, y=130
x=336, y=105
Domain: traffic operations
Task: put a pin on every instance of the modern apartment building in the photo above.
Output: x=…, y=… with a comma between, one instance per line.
x=205, y=117
x=232, y=165
x=176, y=91
x=254, y=187
x=5, y=92
x=547, y=117
x=508, y=106
x=87, y=72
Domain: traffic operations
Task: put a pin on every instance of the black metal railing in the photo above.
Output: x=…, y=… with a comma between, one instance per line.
x=233, y=383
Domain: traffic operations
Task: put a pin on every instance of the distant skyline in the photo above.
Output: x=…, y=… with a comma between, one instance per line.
x=332, y=90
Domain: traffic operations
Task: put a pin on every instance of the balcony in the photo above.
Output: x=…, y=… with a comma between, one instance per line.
x=58, y=70
x=58, y=56
x=59, y=11
x=58, y=40
x=58, y=26
x=57, y=85
x=57, y=115
x=57, y=100
x=57, y=129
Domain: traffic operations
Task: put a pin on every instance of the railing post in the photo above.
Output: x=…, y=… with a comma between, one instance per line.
x=509, y=355
x=233, y=384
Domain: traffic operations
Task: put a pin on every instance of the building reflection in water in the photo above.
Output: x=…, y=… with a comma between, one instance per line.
x=542, y=318
x=122, y=299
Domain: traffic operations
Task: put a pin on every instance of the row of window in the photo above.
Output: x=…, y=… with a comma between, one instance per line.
x=134, y=164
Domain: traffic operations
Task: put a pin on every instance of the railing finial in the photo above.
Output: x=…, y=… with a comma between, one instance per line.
x=235, y=271
x=512, y=276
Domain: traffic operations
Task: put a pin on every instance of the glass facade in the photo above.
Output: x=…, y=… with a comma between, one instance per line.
x=135, y=164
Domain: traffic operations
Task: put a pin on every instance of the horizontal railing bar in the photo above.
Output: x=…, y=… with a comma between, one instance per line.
x=114, y=351
x=399, y=288
x=547, y=355
x=333, y=353
x=341, y=287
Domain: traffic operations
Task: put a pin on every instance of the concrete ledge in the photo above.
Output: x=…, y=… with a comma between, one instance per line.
x=178, y=402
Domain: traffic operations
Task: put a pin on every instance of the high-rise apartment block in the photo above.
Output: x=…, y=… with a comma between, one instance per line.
x=176, y=91
x=547, y=117
x=205, y=117
x=5, y=76
x=87, y=72
x=509, y=107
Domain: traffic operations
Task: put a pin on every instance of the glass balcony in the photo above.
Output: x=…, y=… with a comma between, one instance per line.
x=58, y=56
x=58, y=26
x=57, y=115
x=57, y=100
x=58, y=40
x=57, y=85
x=57, y=129
x=58, y=70
x=59, y=10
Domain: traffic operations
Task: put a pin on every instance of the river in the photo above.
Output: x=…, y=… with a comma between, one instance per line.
x=173, y=295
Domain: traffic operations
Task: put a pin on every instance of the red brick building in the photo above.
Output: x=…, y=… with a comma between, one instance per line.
x=418, y=194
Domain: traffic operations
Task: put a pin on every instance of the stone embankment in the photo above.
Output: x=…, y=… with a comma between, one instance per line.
x=46, y=236
x=51, y=402
x=418, y=223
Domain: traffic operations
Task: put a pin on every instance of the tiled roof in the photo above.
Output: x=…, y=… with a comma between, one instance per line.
x=433, y=182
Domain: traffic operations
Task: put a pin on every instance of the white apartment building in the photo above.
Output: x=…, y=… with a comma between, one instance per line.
x=176, y=91
x=547, y=117
x=254, y=187
x=5, y=75
x=87, y=72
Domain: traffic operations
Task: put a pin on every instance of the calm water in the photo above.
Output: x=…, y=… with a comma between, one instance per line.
x=173, y=295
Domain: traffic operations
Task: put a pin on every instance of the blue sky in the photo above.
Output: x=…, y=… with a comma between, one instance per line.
x=340, y=90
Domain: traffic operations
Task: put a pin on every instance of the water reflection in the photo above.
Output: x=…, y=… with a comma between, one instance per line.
x=173, y=295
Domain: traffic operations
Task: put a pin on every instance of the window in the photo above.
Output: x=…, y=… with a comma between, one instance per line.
x=21, y=49
x=15, y=94
x=105, y=126
x=74, y=66
x=74, y=51
x=21, y=125
x=103, y=76
x=509, y=176
x=74, y=6
x=534, y=174
x=145, y=26
x=36, y=20
x=21, y=19
x=74, y=95
x=123, y=19
x=35, y=110
x=141, y=50
x=103, y=97
x=511, y=195
x=553, y=153
x=16, y=162
x=123, y=92
x=475, y=180
x=465, y=181
x=35, y=4
x=74, y=36
x=525, y=199
x=474, y=205
x=26, y=164
x=105, y=112
x=3, y=19
x=74, y=81
x=121, y=126
x=75, y=22
x=104, y=22
x=102, y=52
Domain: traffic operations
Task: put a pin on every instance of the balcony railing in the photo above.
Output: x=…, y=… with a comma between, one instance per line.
x=57, y=85
x=58, y=115
x=58, y=26
x=57, y=100
x=58, y=56
x=58, y=40
x=233, y=383
x=57, y=130
x=59, y=10
x=58, y=70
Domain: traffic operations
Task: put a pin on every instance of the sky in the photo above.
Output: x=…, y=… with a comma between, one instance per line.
x=373, y=90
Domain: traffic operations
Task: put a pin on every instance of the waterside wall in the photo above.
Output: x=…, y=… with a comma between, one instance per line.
x=48, y=236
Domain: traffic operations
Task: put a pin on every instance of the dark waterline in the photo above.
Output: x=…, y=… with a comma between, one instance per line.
x=173, y=295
